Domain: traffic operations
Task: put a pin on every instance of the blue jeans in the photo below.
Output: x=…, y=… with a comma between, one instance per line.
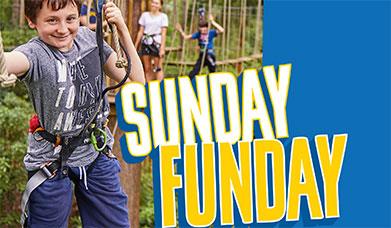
x=100, y=198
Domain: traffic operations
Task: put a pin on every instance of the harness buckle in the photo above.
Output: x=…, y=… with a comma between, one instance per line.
x=45, y=168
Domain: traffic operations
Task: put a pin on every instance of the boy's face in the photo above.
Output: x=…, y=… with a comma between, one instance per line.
x=57, y=28
x=203, y=30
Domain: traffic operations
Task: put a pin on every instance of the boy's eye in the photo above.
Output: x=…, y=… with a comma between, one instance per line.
x=52, y=21
x=71, y=19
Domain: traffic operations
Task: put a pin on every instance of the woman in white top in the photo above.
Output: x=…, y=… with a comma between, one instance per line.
x=152, y=37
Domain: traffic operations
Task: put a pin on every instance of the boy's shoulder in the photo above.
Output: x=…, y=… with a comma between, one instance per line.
x=85, y=34
x=34, y=46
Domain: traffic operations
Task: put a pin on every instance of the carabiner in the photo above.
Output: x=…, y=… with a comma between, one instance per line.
x=94, y=141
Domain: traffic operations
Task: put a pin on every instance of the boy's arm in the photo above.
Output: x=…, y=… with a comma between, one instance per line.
x=220, y=29
x=114, y=16
x=183, y=34
x=16, y=63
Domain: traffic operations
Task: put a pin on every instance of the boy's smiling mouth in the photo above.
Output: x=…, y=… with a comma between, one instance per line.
x=61, y=37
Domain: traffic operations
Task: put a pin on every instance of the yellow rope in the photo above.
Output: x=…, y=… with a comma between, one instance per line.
x=6, y=79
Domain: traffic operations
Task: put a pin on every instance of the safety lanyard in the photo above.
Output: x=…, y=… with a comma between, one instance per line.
x=96, y=130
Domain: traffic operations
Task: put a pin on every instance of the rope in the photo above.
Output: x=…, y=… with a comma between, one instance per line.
x=207, y=38
x=115, y=128
x=121, y=61
x=257, y=28
x=224, y=26
x=183, y=42
x=244, y=26
x=6, y=79
x=175, y=32
x=191, y=23
x=240, y=46
x=228, y=31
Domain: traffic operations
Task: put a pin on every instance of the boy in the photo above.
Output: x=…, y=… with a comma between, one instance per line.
x=59, y=68
x=205, y=41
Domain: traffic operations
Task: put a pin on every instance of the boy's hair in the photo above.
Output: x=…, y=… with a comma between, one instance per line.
x=202, y=24
x=32, y=7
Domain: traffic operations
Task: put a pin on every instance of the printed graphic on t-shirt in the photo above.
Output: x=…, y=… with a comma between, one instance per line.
x=203, y=40
x=78, y=92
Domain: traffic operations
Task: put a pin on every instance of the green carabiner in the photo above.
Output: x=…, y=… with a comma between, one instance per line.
x=94, y=142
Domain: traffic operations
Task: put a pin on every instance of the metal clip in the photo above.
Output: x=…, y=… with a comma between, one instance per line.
x=94, y=141
x=46, y=171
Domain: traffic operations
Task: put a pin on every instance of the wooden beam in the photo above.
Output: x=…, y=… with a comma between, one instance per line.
x=221, y=62
x=173, y=49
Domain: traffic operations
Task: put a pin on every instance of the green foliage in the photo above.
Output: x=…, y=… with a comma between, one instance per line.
x=146, y=201
x=5, y=13
x=14, y=114
x=16, y=36
x=75, y=222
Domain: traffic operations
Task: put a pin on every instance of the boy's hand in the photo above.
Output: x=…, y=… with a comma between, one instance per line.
x=211, y=18
x=113, y=14
x=178, y=27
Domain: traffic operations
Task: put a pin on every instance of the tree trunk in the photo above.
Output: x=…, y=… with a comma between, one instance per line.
x=15, y=12
x=130, y=175
x=133, y=16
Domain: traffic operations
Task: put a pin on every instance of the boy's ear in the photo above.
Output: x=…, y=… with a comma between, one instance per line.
x=30, y=23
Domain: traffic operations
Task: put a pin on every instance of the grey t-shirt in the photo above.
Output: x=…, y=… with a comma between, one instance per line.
x=64, y=88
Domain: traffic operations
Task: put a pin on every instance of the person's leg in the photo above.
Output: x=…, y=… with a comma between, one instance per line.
x=50, y=203
x=146, y=59
x=99, y=195
x=196, y=68
x=158, y=62
x=210, y=60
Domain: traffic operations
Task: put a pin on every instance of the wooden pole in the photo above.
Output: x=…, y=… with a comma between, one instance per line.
x=21, y=14
x=134, y=14
x=130, y=175
x=257, y=28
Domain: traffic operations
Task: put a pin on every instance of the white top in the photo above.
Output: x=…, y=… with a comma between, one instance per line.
x=153, y=24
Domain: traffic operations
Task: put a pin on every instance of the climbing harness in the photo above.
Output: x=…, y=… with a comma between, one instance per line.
x=93, y=132
x=149, y=45
x=6, y=79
